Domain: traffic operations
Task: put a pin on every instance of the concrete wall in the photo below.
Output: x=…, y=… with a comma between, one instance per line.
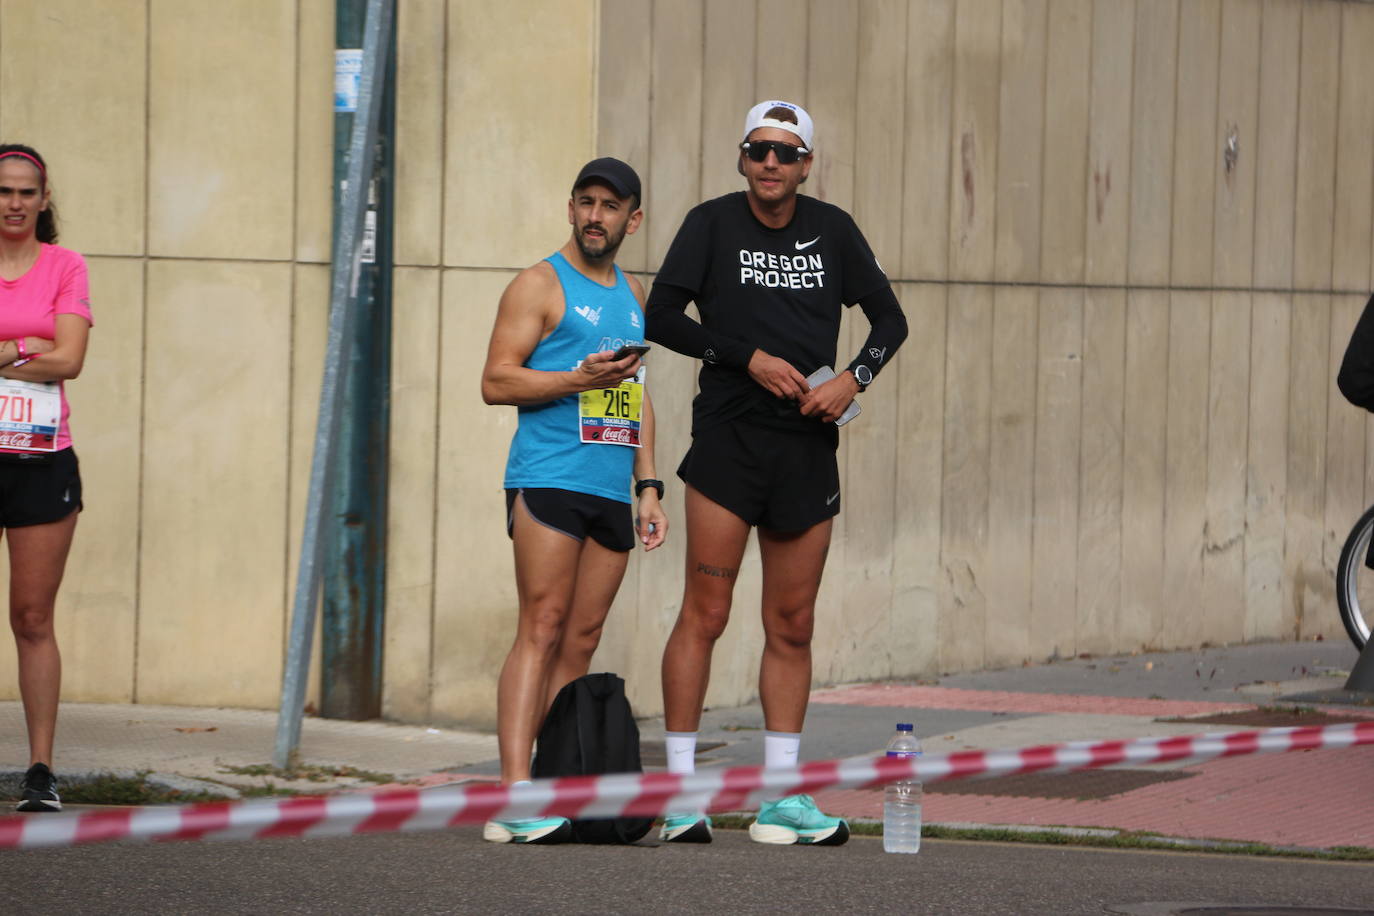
x=1113, y=427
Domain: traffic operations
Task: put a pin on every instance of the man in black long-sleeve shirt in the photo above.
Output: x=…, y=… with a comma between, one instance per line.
x=1356, y=378
x=770, y=272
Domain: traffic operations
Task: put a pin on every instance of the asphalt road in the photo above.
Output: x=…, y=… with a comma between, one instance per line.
x=455, y=872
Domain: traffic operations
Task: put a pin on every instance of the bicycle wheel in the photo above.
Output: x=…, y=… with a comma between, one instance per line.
x=1355, y=580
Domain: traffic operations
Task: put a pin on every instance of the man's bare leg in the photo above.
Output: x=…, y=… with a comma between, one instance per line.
x=792, y=567
x=546, y=564
x=716, y=539
x=600, y=571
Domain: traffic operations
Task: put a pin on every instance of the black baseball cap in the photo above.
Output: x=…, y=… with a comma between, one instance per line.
x=617, y=175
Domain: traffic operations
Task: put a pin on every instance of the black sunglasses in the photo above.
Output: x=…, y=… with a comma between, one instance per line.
x=787, y=154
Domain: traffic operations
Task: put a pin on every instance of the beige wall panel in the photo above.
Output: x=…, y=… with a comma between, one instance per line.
x=98, y=603
x=475, y=606
x=1237, y=122
x=1100, y=461
x=315, y=133
x=622, y=110
x=919, y=379
x=1011, y=476
x=1058, y=433
x=217, y=400
x=964, y=510
x=1185, y=495
x=862, y=575
x=862, y=580
x=203, y=166
x=1318, y=93
x=781, y=29
x=1345, y=457
x=1143, y=479
x=309, y=337
x=727, y=93
x=497, y=163
x=973, y=140
x=676, y=130
x=1152, y=141
x=421, y=74
x=1109, y=141
x=1267, y=468
x=881, y=92
x=1276, y=147
x=79, y=98
x=1196, y=148
x=1020, y=138
x=926, y=177
x=1223, y=558
x=1354, y=171
x=1067, y=94
x=832, y=75
x=1309, y=591
x=415, y=378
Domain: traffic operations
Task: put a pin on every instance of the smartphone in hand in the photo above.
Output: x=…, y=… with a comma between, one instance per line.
x=626, y=351
x=823, y=375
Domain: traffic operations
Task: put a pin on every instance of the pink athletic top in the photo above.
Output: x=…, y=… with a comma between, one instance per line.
x=55, y=285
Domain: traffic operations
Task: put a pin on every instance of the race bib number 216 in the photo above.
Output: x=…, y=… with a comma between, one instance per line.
x=612, y=416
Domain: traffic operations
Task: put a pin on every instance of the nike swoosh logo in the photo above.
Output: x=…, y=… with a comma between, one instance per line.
x=832, y=499
x=801, y=245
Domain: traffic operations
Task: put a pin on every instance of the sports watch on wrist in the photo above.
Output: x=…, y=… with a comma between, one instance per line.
x=864, y=376
x=646, y=483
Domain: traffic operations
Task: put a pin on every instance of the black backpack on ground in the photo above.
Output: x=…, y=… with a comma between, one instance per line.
x=590, y=730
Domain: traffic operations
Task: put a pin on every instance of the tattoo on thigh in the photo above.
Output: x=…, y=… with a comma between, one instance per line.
x=720, y=572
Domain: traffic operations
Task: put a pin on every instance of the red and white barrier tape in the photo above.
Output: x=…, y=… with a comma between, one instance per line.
x=635, y=794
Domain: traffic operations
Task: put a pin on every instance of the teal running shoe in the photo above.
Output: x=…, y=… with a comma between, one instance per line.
x=534, y=830
x=796, y=819
x=685, y=828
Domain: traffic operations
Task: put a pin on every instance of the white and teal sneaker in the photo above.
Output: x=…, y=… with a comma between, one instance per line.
x=534, y=830
x=796, y=819
x=685, y=828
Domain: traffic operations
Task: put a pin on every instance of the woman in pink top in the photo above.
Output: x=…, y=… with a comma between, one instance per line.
x=44, y=322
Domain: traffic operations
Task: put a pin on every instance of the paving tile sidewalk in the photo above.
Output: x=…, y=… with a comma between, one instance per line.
x=1310, y=799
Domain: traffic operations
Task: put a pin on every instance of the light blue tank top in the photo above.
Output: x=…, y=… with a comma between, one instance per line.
x=546, y=450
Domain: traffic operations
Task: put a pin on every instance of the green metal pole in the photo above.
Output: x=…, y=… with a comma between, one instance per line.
x=354, y=569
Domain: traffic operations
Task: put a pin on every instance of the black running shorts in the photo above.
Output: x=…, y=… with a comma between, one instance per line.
x=38, y=487
x=578, y=515
x=773, y=478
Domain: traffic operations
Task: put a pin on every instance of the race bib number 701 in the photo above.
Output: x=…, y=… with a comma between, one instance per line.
x=29, y=415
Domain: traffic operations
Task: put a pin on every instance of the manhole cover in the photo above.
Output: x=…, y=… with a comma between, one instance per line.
x=1233, y=909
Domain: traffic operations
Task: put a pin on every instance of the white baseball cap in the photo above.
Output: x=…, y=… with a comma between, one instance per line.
x=803, y=129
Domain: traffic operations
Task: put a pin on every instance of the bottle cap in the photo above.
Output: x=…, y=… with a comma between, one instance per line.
x=904, y=726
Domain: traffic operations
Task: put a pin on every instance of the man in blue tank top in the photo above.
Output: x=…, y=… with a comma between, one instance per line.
x=566, y=350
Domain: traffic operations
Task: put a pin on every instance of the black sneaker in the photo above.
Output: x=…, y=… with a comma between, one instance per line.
x=40, y=790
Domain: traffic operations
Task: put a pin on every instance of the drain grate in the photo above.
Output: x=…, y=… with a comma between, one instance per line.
x=1084, y=785
x=1271, y=717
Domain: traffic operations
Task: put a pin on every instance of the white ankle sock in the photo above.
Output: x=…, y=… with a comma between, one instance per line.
x=780, y=749
x=681, y=748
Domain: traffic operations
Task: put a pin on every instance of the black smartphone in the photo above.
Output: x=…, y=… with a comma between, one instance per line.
x=623, y=352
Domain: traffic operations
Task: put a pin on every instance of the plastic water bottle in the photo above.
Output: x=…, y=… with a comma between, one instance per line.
x=902, y=800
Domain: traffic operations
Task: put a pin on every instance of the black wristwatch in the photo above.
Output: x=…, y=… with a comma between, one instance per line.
x=648, y=482
x=864, y=376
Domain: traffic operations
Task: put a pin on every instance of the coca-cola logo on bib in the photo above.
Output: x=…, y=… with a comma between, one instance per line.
x=16, y=440
x=622, y=436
